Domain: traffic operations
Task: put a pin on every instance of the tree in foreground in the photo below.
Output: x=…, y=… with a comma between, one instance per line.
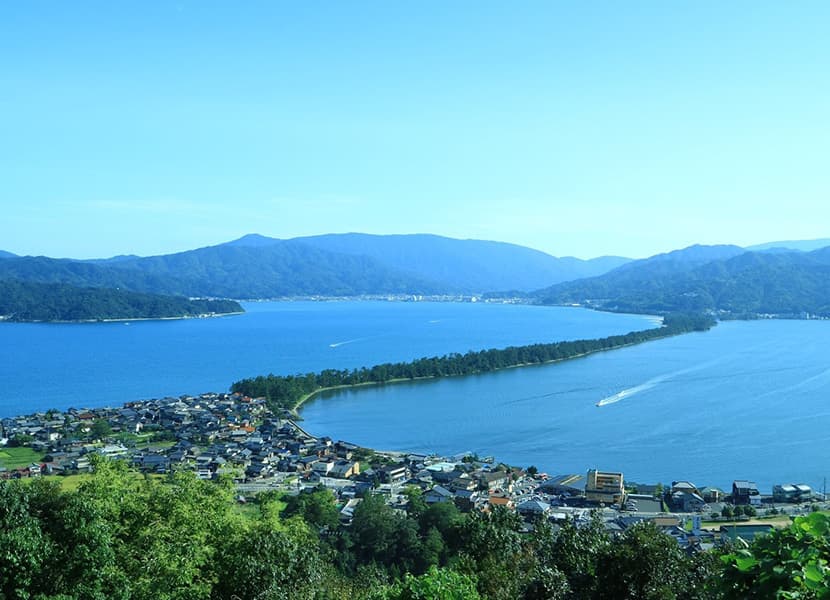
x=646, y=564
x=787, y=563
x=435, y=584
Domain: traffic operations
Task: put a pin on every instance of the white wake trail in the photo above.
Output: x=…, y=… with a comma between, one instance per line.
x=627, y=393
x=344, y=342
x=655, y=381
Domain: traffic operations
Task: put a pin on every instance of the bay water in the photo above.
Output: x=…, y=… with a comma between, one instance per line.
x=746, y=400
x=64, y=365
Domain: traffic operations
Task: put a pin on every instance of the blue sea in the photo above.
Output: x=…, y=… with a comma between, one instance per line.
x=746, y=400
x=106, y=364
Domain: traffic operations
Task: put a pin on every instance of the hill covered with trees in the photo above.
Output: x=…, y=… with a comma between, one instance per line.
x=26, y=301
x=282, y=269
x=745, y=284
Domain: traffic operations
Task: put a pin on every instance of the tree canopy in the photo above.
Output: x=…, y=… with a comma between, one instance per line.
x=26, y=301
x=125, y=536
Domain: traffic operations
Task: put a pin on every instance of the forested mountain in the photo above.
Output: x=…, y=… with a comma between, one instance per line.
x=699, y=277
x=646, y=276
x=471, y=265
x=279, y=269
x=680, y=260
x=283, y=268
x=336, y=265
x=27, y=301
x=749, y=283
x=4, y=254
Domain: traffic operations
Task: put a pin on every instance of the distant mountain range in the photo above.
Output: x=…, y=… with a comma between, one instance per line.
x=719, y=278
x=332, y=265
x=471, y=266
x=779, y=277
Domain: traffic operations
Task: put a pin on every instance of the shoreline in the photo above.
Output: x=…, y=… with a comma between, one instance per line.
x=127, y=319
x=390, y=448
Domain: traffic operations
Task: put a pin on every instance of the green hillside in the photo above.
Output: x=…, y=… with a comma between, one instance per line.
x=26, y=301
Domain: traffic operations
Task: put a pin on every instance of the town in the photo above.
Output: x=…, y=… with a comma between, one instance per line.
x=235, y=436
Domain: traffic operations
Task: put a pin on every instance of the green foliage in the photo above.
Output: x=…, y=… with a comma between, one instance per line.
x=644, y=564
x=316, y=508
x=23, y=545
x=379, y=535
x=269, y=564
x=14, y=457
x=575, y=552
x=493, y=549
x=416, y=505
x=286, y=391
x=21, y=439
x=548, y=583
x=100, y=429
x=436, y=584
x=121, y=536
x=788, y=563
x=444, y=517
x=83, y=557
x=27, y=301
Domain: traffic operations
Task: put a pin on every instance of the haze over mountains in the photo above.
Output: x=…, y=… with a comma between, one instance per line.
x=799, y=245
x=772, y=279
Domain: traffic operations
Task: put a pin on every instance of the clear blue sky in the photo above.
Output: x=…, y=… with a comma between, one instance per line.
x=578, y=128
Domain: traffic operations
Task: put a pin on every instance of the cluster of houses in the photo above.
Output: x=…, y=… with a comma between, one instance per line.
x=68, y=439
x=239, y=437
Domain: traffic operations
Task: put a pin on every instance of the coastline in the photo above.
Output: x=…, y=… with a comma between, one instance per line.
x=639, y=474
x=128, y=319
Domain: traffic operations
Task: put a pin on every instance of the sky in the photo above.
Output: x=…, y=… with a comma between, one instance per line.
x=577, y=128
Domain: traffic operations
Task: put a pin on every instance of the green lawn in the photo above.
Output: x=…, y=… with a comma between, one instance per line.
x=775, y=520
x=15, y=458
x=249, y=511
x=157, y=445
x=69, y=483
